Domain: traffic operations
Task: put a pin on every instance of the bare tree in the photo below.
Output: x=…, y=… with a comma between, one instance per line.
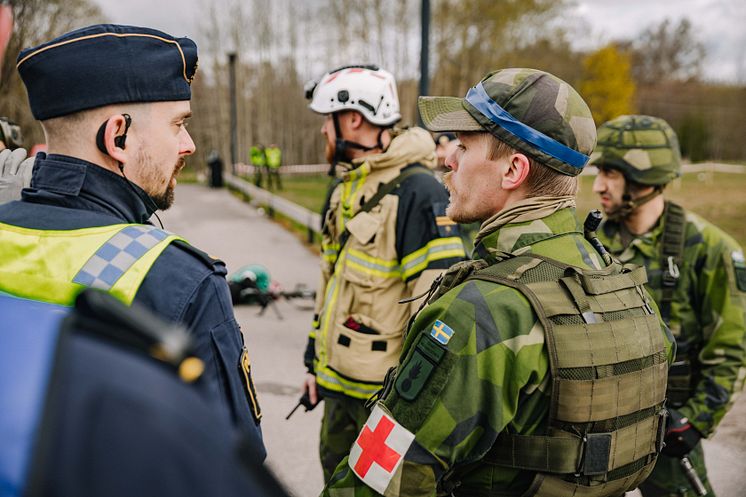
x=37, y=21
x=667, y=52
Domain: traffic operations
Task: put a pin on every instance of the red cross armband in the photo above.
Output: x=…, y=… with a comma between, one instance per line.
x=379, y=450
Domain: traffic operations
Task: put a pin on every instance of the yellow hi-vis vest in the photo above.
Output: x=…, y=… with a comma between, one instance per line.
x=55, y=265
x=274, y=157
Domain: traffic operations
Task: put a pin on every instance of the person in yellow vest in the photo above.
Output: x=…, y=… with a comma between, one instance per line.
x=385, y=237
x=274, y=161
x=259, y=161
x=113, y=102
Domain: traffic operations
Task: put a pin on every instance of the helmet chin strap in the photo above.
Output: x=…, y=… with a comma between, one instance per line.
x=629, y=205
x=341, y=146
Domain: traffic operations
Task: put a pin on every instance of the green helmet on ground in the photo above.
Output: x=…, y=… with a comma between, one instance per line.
x=530, y=110
x=644, y=148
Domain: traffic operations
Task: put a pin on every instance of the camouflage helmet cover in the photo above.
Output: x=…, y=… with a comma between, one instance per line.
x=644, y=148
x=530, y=110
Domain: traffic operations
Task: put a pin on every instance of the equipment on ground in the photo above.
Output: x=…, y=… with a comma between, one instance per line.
x=252, y=285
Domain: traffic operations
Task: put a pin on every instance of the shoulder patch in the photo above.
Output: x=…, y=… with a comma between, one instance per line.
x=379, y=450
x=245, y=370
x=441, y=332
x=416, y=371
x=739, y=267
x=445, y=225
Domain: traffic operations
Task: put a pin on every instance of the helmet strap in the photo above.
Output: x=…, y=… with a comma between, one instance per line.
x=341, y=145
x=629, y=204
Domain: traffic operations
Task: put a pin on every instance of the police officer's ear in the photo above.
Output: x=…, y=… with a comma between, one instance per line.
x=516, y=171
x=111, y=138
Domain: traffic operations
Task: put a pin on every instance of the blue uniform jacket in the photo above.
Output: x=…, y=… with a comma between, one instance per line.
x=79, y=423
x=184, y=285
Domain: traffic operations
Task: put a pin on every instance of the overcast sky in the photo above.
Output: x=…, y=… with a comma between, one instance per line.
x=719, y=24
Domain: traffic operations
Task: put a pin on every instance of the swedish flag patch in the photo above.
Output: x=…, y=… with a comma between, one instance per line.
x=441, y=332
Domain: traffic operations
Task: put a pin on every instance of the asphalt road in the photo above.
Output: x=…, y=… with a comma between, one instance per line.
x=233, y=231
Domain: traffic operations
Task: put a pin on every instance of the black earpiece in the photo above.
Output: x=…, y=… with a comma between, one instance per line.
x=119, y=141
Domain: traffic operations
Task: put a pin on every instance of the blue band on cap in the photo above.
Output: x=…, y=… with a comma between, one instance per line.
x=490, y=109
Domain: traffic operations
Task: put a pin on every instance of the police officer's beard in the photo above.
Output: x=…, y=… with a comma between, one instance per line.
x=165, y=198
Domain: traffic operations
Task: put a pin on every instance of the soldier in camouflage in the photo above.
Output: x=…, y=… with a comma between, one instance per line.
x=696, y=275
x=538, y=368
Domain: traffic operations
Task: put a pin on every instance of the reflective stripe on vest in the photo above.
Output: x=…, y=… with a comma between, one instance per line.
x=55, y=265
x=274, y=157
x=27, y=349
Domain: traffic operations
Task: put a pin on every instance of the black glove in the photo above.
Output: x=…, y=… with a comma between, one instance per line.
x=681, y=437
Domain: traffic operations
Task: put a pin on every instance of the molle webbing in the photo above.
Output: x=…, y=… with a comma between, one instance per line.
x=672, y=256
x=608, y=365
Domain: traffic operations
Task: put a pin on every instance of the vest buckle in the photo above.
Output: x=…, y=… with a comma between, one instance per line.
x=671, y=274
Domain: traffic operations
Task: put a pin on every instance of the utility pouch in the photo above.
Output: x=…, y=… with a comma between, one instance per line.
x=359, y=351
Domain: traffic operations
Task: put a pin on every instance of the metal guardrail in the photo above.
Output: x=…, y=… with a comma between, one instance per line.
x=274, y=203
x=249, y=170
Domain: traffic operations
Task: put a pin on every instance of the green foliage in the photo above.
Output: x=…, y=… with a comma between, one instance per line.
x=694, y=137
x=719, y=107
x=607, y=84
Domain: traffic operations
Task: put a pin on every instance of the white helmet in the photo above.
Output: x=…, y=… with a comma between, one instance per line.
x=366, y=89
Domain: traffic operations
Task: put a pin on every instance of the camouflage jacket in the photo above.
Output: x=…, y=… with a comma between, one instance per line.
x=707, y=312
x=493, y=376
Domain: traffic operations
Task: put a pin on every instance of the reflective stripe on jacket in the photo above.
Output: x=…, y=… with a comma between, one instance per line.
x=54, y=265
x=360, y=325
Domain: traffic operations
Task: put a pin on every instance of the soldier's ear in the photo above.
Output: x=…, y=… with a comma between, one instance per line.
x=516, y=172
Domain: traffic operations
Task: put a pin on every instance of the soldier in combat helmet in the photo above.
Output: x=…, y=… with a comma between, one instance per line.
x=539, y=367
x=696, y=275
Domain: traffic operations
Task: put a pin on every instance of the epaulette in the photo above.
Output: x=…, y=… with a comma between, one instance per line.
x=204, y=257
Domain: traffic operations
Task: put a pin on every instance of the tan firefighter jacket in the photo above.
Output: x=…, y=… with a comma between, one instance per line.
x=359, y=323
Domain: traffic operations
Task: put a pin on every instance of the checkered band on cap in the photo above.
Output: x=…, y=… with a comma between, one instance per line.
x=117, y=255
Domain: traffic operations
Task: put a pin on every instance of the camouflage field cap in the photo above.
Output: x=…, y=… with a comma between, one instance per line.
x=644, y=148
x=530, y=110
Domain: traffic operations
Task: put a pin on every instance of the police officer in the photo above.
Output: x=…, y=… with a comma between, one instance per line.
x=697, y=275
x=113, y=102
x=385, y=237
x=538, y=368
x=102, y=399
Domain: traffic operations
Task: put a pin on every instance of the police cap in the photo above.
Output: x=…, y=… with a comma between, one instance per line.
x=106, y=64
